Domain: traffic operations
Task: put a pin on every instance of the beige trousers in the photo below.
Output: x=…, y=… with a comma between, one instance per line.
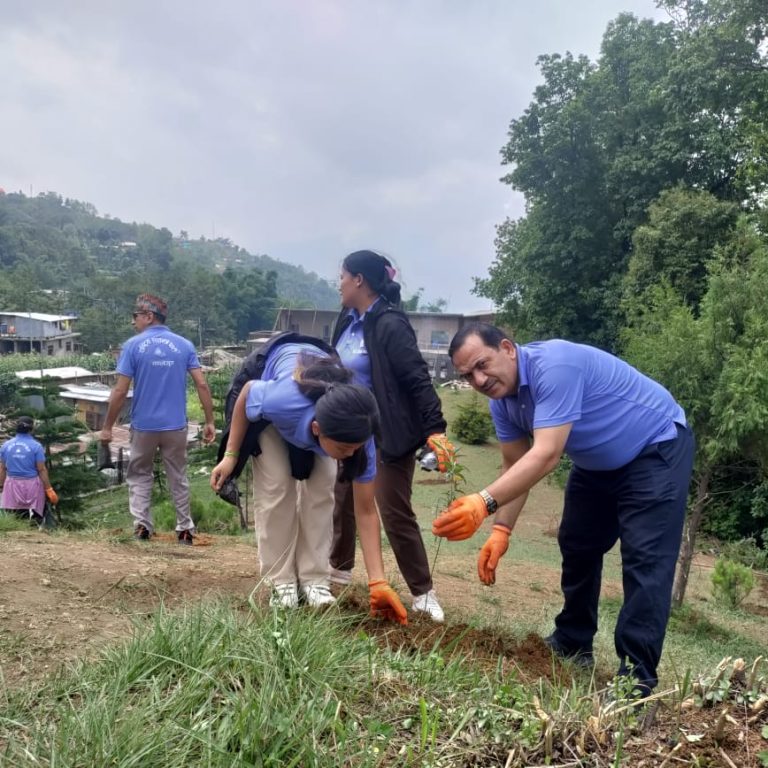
x=294, y=519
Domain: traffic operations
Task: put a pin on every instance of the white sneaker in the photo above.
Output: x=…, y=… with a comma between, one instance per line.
x=340, y=577
x=284, y=596
x=427, y=603
x=317, y=595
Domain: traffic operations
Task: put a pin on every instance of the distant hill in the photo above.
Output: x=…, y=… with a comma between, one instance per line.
x=295, y=286
x=60, y=255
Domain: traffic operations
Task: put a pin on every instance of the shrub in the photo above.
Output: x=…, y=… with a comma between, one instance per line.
x=747, y=552
x=731, y=582
x=210, y=516
x=473, y=425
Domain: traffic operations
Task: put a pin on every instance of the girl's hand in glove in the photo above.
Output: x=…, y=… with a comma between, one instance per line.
x=385, y=602
x=444, y=451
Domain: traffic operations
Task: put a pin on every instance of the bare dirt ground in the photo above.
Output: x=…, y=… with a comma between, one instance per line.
x=62, y=596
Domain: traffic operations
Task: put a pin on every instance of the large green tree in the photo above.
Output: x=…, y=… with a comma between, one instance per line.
x=666, y=103
x=715, y=363
x=675, y=245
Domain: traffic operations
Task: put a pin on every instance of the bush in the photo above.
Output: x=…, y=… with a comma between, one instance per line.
x=473, y=425
x=731, y=582
x=747, y=552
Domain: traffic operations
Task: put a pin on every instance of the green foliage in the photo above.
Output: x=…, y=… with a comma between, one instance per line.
x=210, y=513
x=665, y=104
x=30, y=362
x=684, y=227
x=715, y=364
x=747, y=553
x=559, y=474
x=731, y=582
x=473, y=423
x=60, y=256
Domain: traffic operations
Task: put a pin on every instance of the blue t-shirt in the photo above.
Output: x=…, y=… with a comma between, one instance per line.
x=616, y=411
x=352, y=350
x=21, y=455
x=277, y=398
x=158, y=361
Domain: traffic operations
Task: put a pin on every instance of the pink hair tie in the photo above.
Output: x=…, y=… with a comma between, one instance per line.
x=391, y=271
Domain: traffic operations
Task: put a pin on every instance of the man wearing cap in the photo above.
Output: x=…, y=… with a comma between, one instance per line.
x=157, y=361
x=632, y=455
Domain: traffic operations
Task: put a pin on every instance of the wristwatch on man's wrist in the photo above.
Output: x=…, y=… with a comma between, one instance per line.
x=490, y=503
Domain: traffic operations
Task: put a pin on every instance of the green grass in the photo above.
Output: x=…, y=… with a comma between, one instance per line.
x=210, y=686
x=215, y=685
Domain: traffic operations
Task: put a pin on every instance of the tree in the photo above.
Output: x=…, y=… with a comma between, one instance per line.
x=684, y=227
x=682, y=102
x=716, y=364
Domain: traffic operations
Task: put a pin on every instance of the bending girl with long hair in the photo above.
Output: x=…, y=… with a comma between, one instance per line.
x=304, y=399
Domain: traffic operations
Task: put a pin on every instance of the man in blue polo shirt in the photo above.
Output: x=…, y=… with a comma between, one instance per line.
x=632, y=455
x=158, y=361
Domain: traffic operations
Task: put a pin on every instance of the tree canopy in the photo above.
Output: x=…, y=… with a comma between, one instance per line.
x=680, y=104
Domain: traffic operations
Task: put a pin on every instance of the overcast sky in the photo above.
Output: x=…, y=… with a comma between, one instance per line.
x=302, y=129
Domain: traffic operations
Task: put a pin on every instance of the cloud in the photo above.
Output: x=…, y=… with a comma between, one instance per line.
x=301, y=130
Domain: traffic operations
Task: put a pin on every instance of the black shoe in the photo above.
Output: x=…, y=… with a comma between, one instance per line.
x=140, y=533
x=186, y=538
x=577, y=657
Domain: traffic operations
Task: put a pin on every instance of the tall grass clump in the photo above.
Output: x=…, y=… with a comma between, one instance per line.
x=211, y=515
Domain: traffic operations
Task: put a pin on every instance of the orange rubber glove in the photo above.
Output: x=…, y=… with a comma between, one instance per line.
x=53, y=497
x=444, y=451
x=491, y=552
x=462, y=518
x=385, y=602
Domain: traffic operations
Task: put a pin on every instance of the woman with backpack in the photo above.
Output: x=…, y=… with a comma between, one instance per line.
x=307, y=416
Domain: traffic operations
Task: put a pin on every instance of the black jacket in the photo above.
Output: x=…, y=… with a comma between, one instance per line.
x=408, y=404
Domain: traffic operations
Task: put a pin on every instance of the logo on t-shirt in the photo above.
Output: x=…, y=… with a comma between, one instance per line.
x=159, y=354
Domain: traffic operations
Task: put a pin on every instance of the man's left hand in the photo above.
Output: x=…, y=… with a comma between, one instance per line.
x=444, y=451
x=491, y=552
x=462, y=518
x=209, y=432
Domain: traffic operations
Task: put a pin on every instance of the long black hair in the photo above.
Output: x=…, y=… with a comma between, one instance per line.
x=344, y=412
x=378, y=272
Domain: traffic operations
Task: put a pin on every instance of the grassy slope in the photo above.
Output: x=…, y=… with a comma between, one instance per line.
x=214, y=686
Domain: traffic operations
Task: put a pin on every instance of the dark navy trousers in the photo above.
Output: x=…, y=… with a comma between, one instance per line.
x=642, y=504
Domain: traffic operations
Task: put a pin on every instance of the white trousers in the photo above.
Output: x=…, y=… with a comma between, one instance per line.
x=294, y=519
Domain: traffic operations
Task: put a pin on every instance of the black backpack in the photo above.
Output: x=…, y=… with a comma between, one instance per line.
x=252, y=368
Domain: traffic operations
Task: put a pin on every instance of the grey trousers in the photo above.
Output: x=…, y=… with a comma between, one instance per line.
x=172, y=445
